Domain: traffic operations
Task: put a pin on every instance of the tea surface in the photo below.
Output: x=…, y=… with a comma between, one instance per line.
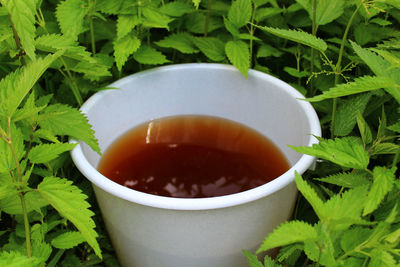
x=192, y=156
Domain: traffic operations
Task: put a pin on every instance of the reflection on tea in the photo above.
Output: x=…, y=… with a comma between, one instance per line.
x=192, y=156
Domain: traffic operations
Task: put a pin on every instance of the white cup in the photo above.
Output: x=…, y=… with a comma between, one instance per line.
x=150, y=230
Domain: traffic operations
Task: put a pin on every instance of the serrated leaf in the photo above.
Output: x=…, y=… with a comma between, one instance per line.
x=309, y=194
x=341, y=211
x=212, y=47
x=384, y=148
x=297, y=36
x=64, y=120
x=125, y=47
x=348, y=180
x=266, y=50
x=381, y=258
x=70, y=16
x=359, y=85
x=176, y=8
x=252, y=259
x=109, y=7
x=365, y=131
x=16, y=85
x=67, y=240
x=346, y=114
x=353, y=237
x=295, y=73
x=12, y=204
x=269, y=262
x=321, y=250
x=389, y=57
x=346, y=152
x=24, y=113
x=380, y=67
x=71, y=203
x=395, y=127
x=7, y=162
x=266, y=12
x=22, y=14
x=239, y=55
x=288, y=233
x=240, y=12
x=155, y=19
x=41, y=250
x=45, y=152
x=196, y=3
x=326, y=12
x=17, y=259
x=179, y=41
x=382, y=184
x=232, y=28
x=92, y=71
x=125, y=24
x=148, y=55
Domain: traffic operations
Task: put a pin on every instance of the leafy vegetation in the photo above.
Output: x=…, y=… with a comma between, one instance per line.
x=343, y=55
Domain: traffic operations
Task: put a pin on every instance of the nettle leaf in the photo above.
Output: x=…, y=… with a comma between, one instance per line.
x=239, y=55
x=384, y=148
x=125, y=47
x=91, y=71
x=230, y=27
x=359, y=85
x=298, y=37
x=381, y=258
x=176, y=8
x=346, y=152
x=67, y=240
x=348, y=180
x=322, y=249
x=380, y=67
x=155, y=19
x=71, y=203
x=266, y=50
x=327, y=10
x=365, y=131
x=22, y=14
x=70, y=16
x=148, y=55
x=45, y=152
x=252, y=259
x=17, y=259
x=212, y=47
x=61, y=119
x=309, y=194
x=346, y=114
x=389, y=57
x=16, y=85
x=341, y=211
x=12, y=204
x=196, y=3
x=266, y=12
x=240, y=12
x=109, y=7
x=125, y=24
x=395, y=127
x=7, y=162
x=41, y=250
x=382, y=184
x=179, y=41
x=354, y=237
x=289, y=233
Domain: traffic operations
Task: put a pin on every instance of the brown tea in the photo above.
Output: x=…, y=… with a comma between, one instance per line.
x=192, y=156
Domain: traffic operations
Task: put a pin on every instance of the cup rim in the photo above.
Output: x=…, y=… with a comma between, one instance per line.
x=107, y=185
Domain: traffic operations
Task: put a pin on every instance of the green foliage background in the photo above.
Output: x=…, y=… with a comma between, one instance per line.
x=343, y=55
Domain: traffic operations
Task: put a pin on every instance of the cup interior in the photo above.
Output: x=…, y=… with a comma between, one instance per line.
x=261, y=102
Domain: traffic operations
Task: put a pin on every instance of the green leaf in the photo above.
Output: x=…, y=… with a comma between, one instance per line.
x=326, y=12
x=360, y=85
x=341, y=211
x=240, y=12
x=22, y=14
x=176, y=8
x=309, y=194
x=47, y=135
x=384, y=148
x=395, y=127
x=288, y=233
x=295, y=73
x=67, y=240
x=380, y=67
x=230, y=27
x=348, y=180
x=71, y=203
x=382, y=184
x=252, y=259
x=298, y=37
x=321, y=250
x=41, y=250
x=266, y=50
x=354, y=237
x=196, y=3
x=389, y=57
x=212, y=47
x=381, y=258
x=267, y=12
x=16, y=85
x=346, y=152
x=12, y=204
x=109, y=7
x=346, y=114
x=17, y=259
x=61, y=119
x=364, y=129
x=45, y=152
x=125, y=47
x=91, y=71
x=179, y=41
x=70, y=16
x=148, y=55
x=7, y=162
x=155, y=19
x=125, y=24
x=239, y=55
x=268, y=262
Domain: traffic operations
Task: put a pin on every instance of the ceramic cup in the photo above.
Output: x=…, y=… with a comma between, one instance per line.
x=150, y=230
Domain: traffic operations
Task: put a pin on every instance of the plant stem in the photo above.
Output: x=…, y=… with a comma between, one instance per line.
x=17, y=41
x=395, y=159
x=74, y=87
x=252, y=29
x=314, y=32
x=93, y=39
x=206, y=24
x=338, y=66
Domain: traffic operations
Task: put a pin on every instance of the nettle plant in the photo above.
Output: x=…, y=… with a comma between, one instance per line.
x=343, y=55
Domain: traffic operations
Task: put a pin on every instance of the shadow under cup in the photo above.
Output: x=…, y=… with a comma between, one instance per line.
x=149, y=230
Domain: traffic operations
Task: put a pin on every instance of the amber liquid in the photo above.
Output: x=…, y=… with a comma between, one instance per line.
x=192, y=157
